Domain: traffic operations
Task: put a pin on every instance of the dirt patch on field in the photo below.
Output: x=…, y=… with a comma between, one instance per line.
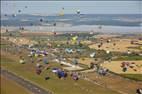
x=120, y=45
x=115, y=66
x=86, y=42
x=2, y=30
x=86, y=61
x=20, y=40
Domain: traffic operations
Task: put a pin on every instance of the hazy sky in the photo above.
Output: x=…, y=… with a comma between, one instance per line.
x=70, y=7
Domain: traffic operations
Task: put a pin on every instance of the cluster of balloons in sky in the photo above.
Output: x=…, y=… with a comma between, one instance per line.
x=61, y=13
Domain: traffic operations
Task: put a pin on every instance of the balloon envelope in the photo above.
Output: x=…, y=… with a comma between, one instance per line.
x=78, y=11
x=19, y=10
x=41, y=20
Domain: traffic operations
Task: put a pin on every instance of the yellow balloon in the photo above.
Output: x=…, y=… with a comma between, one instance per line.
x=36, y=55
x=74, y=38
x=61, y=13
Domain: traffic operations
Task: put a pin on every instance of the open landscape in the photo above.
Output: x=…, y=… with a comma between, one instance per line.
x=71, y=53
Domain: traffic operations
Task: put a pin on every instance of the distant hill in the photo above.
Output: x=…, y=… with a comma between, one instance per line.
x=73, y=19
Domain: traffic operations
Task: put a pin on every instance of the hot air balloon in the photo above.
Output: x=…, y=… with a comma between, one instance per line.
x=41, y=20
x=5, y=14
x=47, y=21
x=54, y=24
x=6, y=30
x=78, y=11
x=19, y=11
x=13, y=15
x=62, y=12
x=31, y=24
x=107, y=52
x=26, y=6
x=92, y=54
x=74, y=39
x=100, y=27
x=21, y=28
x=55, y=33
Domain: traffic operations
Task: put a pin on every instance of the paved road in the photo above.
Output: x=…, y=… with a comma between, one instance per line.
x=28, y=85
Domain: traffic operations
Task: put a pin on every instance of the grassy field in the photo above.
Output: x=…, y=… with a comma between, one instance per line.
x=54, y=84
x=129, y=58
x=11, y=87
x=137, y=77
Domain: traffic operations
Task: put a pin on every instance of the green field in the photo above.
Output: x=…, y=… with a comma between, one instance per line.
x=11, y=87
x=57, y=86
x=10, y=61
x=133, y=57
x=137, y=77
